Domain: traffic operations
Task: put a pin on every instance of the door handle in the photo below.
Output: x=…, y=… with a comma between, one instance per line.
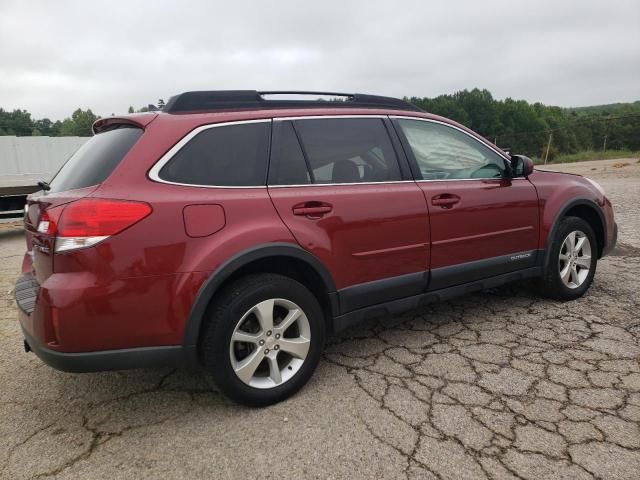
x=312, y=209
x=445, y=200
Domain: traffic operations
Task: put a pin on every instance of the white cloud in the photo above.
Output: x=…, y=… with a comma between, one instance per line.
x=57, y=56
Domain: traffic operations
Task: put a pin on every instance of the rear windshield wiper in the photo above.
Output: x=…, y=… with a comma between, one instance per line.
x=44, y=185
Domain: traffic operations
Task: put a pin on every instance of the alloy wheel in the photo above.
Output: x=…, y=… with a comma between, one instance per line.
x=574, y=261
x=270, y=343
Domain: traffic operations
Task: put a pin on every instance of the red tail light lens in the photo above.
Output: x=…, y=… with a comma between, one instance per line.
x=48, y=221
x=96, y=217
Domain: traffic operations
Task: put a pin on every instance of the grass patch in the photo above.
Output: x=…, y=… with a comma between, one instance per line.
x=589, y=155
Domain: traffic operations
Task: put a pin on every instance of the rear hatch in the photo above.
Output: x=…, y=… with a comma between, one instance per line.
x=78, y=178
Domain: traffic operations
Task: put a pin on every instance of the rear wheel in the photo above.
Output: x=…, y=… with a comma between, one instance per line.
x=572, y=260
x=263, y=339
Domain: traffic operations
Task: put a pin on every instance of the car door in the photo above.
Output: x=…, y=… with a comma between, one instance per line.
x=337, y=184
x=483, y=223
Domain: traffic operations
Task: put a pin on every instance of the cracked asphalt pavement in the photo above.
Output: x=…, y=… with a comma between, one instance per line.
x=501, y=384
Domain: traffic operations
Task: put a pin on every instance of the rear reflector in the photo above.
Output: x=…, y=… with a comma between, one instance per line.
x=55, y=322
x=89, y=221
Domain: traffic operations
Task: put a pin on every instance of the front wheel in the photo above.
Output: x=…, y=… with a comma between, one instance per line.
x=572, y=260
x=263, y=340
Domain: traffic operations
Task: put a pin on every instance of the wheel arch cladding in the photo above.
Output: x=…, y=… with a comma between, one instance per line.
x=283, y=258
x=589, y=212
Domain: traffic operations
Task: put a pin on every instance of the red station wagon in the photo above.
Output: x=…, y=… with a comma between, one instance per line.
x=236, y=229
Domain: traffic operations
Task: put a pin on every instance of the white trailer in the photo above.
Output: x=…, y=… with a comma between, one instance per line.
x=25, y=161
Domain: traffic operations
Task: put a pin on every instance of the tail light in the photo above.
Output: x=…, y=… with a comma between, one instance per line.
x=48, y=220
x=87, y=222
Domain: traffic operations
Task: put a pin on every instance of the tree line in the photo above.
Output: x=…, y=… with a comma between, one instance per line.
x=526, y=128
x=19, y=123
x=522, y=127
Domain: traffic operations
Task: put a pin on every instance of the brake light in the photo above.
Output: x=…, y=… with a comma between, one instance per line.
x=88, y=221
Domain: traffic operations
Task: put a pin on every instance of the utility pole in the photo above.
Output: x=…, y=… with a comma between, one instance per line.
x=546, y=155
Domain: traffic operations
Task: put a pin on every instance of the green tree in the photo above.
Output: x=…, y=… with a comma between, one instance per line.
x=46, y=127
x=79, y=124
x=525, y=128
x=18, y=122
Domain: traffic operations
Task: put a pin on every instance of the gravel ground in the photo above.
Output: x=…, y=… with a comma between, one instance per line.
x=501, y=384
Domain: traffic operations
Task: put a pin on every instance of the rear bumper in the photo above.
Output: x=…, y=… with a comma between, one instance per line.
x=123, y=359
x=35, y=322
x=76, y=312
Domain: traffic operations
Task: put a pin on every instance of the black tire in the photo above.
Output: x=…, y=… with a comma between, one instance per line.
x=551, y=285
x=224, y=314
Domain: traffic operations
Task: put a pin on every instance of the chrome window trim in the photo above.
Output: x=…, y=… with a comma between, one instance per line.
x=154, y=173
x=155, y=169
x=319, y=117
x=340, y=184
x=469, y=180
x=395, y=181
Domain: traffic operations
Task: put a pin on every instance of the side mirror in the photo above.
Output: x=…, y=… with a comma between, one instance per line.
x=521, y=166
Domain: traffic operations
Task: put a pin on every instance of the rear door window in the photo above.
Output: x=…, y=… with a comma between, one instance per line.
x=96, y=159
x=334, y=151
x=226, y=155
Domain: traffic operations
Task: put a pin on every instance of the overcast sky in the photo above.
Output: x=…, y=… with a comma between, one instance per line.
x=58, y=55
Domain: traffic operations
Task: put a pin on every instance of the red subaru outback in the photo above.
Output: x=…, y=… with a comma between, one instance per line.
x=235, y=229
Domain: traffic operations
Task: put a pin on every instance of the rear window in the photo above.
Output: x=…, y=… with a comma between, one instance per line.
x=96, y=159
x=226, y=156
